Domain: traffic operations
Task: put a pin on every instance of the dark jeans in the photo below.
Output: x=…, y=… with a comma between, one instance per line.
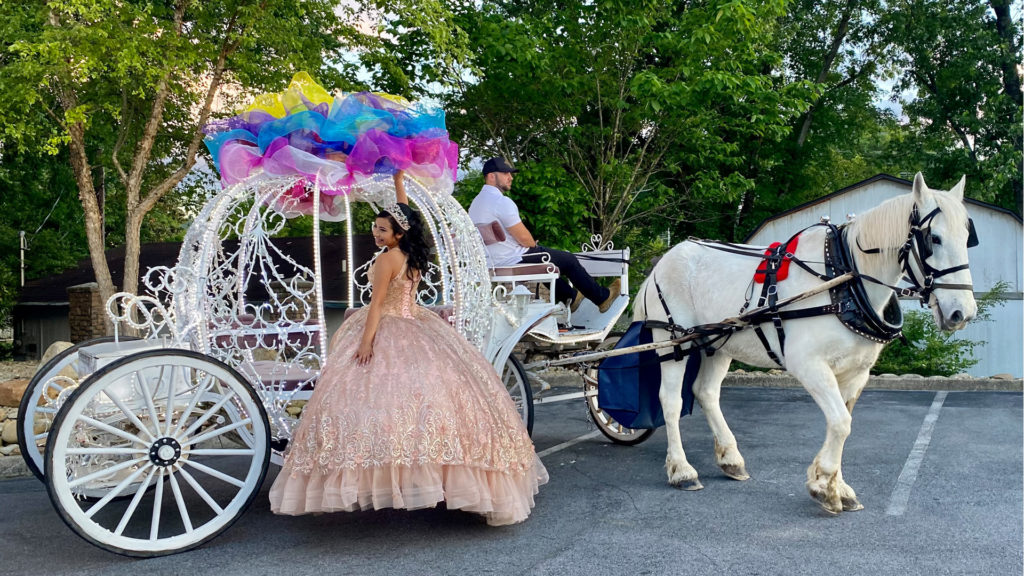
x=569, y=267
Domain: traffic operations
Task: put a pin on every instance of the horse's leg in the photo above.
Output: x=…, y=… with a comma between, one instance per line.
x=707, y=389
x=850, y=388
x=680, y=473
x=823, y=476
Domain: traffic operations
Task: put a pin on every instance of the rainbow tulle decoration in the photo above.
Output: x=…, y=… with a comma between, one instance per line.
x=337, y=142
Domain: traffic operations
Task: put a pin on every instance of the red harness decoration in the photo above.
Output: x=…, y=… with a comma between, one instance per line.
x=783, y=270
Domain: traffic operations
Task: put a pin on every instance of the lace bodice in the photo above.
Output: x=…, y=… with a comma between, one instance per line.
x=400, y=299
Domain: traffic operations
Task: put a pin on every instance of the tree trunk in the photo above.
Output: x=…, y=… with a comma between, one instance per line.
x=1004, y=27
x=1011, y=86
x=93, y=218
x=826, y=67
x=132, y=249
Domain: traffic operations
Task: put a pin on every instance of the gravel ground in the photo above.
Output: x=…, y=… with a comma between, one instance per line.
x=10, y=370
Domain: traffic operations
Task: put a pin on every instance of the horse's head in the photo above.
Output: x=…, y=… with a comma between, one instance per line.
x=935, y=257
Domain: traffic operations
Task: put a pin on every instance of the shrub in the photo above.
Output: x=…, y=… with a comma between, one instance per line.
x=927, y=350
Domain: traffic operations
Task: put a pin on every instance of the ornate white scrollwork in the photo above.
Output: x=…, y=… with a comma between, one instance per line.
x=597, y=244
x=238, y=294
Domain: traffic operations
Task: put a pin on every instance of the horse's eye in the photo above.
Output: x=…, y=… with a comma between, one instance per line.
x=936, y=240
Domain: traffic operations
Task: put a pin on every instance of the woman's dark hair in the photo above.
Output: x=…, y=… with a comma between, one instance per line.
x=413, y=241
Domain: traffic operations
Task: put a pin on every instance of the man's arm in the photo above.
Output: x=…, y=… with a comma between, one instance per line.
x=522, y=235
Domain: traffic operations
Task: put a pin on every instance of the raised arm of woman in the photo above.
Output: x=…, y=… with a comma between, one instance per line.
x=400, y=195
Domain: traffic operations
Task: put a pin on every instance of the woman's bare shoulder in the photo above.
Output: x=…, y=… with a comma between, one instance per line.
x=389, y=263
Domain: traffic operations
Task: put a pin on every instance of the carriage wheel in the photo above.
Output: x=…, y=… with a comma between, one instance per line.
x=514, y=377
x=44, y=384
x=157, y=419
x=614, y=431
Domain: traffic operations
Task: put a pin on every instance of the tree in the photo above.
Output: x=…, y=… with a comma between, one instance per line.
x=36, y=196
x=961, y=92
x=643, y=105
x=125, y=87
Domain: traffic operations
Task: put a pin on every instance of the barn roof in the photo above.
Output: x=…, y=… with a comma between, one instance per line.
x=862, y=183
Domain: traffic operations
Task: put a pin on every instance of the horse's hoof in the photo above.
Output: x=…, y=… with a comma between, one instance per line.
x=736, y=472
x=689, y=485
x=827, y=504
x=852, y=505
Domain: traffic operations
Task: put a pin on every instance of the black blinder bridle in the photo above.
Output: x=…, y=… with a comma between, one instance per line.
x=920, y=236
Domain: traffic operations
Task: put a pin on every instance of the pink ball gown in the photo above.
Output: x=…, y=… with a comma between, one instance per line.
x=426, y=420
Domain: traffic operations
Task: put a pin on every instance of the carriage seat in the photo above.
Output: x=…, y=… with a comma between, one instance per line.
x=493, y=233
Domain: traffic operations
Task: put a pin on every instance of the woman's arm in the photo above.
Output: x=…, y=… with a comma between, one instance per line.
x=384, y=269
x=400, y=195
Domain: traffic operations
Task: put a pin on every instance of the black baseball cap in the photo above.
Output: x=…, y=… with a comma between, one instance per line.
x=498, y=165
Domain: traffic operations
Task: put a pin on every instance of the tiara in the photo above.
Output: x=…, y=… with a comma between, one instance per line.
x=395, y=210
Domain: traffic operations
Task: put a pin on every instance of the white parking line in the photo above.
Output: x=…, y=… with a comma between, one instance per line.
x=901, y=493
x=565, y=445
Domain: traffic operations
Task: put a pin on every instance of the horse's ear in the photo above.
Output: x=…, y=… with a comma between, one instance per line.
x=958, y=190
x=919, y=186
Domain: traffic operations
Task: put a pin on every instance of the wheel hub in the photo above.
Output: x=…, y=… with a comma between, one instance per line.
x=165, y=452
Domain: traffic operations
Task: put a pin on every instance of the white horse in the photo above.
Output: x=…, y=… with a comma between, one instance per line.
x=702, y=284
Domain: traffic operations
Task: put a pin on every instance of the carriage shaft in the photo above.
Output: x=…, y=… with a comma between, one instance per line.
x=734, y=323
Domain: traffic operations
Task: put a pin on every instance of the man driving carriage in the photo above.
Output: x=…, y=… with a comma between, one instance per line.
x=492, y=205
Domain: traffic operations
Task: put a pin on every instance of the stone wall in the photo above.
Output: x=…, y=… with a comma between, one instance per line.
x=86, y=316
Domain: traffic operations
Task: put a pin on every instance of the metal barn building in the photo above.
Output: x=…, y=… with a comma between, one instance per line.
x=998, y=257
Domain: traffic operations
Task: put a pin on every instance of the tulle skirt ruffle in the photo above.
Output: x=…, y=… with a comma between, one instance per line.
x=426, y=421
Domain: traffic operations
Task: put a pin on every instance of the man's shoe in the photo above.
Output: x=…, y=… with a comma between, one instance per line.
x=577, y=301
x=613, y=292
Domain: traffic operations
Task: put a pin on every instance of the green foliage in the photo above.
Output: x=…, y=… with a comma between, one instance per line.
x=959, y=81
x=928, y=351
x=125, y=87
x=629, y=115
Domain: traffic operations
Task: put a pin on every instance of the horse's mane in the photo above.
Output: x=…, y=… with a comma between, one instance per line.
x=886, y=226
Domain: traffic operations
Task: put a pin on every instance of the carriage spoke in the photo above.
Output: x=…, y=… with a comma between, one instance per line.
x=217, y=432
x=115, y=431
x=108, y=450
x=216, y=474
x=104, y=472
x=170, y=396
x=114, y=492
x=200, y=490
x=131, y=415
x=222, y=452
x=46, y=410
x=39, y=437
x=209, y=414
x=182, y=508
x=200, y=391
x=148, y=398
x=158, y=502
x=130, y=511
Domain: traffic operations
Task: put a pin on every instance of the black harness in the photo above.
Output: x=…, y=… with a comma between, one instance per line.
x=850, y=303
x=854, y=308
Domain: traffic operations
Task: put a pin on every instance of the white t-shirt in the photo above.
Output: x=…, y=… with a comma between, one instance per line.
x=490, y=205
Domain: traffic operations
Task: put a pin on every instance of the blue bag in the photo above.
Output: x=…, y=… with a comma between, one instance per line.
x=628, y=385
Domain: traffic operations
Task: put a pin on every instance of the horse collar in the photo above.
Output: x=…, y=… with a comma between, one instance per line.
x=853, y=307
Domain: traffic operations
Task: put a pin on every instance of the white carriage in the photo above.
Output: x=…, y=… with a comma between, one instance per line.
x=157, y=441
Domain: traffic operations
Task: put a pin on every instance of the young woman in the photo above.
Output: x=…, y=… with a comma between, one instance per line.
x=407, y=413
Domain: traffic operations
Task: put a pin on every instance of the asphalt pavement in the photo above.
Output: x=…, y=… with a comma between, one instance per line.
x=940, y=475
